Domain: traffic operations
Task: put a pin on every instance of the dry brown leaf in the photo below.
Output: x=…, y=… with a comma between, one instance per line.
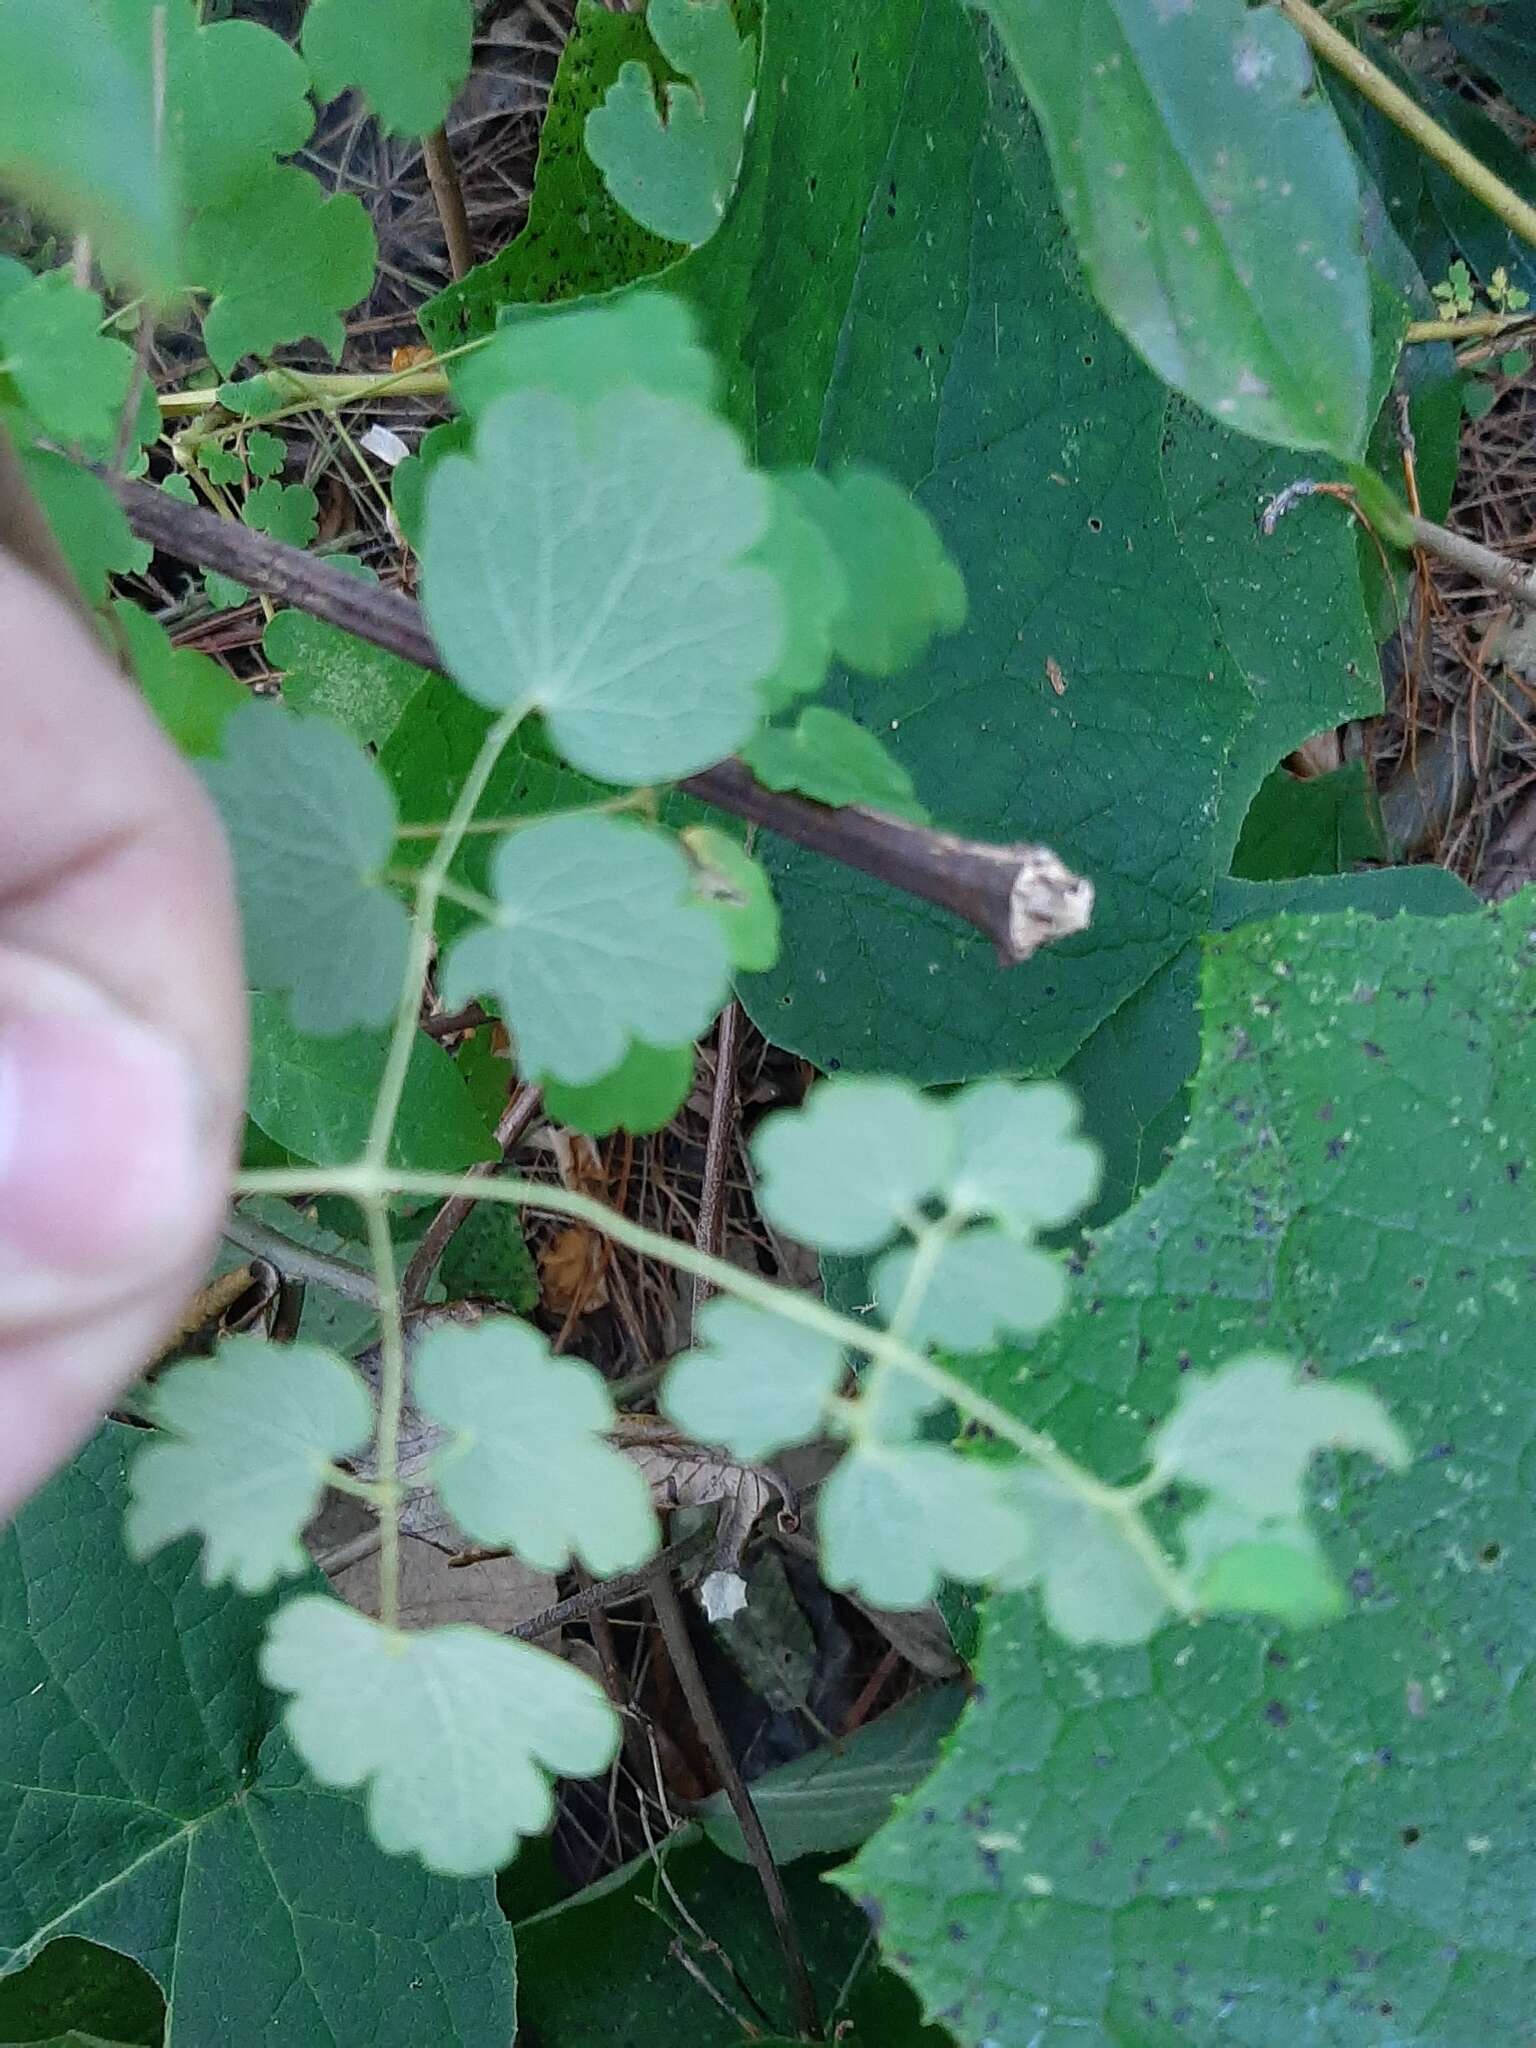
x=496, y=1594
x=571, y=1267
x=683, y=1474
x=1320, y=755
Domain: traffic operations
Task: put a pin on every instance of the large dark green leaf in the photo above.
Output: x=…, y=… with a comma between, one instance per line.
x=1236, y=1833
x=1214, y=201
x=893, y=284
x=79, y=1988
x=315, y=1096
x=1097, y=527
x=648, y=1948
x=150, y=1804
x=1134, y=1073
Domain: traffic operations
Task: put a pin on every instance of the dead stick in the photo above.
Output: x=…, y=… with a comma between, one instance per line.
x=717, y=1145
x=1021, y=896
x=674, y=1629
x=443, y=175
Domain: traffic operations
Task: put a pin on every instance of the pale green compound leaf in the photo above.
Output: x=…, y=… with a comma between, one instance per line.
x=737, y=890
x=1239, y=1564
x=87, y=521
x=333, y=673
x=1214, y=201
x=896, y=1520
x=289, y=512
x=893, y=1403
x=219, y=464
x=311, y=821
x=755, y=1383
x=407, y=57
x=249, y=1439
x=223, y=592
x=265, y=453
x=192, y=696
x=673, y=166
x=827, y=756
x=71, y=377
x=901, y=586
x=527, y=1463
x=591, y=565
x=282, y=262
x=1248, y=1433
x=835, y=1797
x=1020, y=1157
x=235, y=94
x=1095, y=1585
x=77, y=136
x=796, y=549
x=859, y=1159
x=983, y=1286
x=173, y=1823
x=256, y=398
x=643, y=1093
x=647, y=339
x=599, y=942
x=451, y=1729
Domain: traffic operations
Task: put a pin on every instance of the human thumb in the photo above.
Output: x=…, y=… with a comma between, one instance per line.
x=121, y=1032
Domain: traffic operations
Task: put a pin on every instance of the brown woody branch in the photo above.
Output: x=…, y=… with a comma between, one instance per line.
x=1021, y=896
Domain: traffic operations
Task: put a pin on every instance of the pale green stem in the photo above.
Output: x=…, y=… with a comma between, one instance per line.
x=386, y=1450
x=325, y=391
x=429, y=890
x=632, y=800
x=1374, y=85
x=929, y=1240
x=368, y=1182
x=372, y=1189
x=449, y=891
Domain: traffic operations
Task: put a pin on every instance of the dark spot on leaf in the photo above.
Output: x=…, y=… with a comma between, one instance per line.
x=1277, y=1714
x=1371, y=1049
x=1410, y=1836
x=1095, y=525
x=1362, y=1583
x=1491, y=1553
x=1325, y=1113
x=872, y=1910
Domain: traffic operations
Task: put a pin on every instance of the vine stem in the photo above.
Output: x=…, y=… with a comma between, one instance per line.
x=322, y=388
x=370, y=1182
x=1475, y=327
x=1436, y=142
x=381, y=1248
x=373, y=1192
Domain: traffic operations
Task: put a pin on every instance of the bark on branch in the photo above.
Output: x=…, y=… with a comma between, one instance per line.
x=1020, y=896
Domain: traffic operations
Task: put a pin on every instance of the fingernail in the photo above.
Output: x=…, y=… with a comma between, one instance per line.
x=100, y=1155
